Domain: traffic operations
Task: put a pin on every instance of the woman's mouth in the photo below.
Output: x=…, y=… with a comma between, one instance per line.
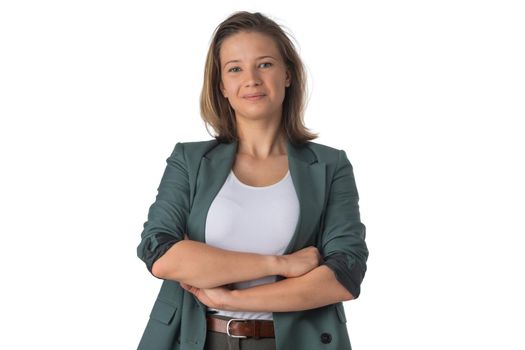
x=254, y=97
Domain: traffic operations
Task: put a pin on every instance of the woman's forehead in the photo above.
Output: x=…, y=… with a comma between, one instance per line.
x=243, y=46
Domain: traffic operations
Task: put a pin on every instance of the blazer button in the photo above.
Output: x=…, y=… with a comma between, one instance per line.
x=326, y=338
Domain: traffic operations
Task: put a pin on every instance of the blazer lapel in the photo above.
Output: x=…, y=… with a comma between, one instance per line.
x=308, y=176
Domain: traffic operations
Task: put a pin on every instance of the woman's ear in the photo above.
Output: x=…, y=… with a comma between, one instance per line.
x=288, y=80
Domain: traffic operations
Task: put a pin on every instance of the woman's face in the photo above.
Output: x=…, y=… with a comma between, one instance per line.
x=253, y=76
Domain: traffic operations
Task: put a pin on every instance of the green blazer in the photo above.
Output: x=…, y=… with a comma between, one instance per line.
x=329, y=219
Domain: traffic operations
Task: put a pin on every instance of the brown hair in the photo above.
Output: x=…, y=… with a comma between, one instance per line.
x=216, y=110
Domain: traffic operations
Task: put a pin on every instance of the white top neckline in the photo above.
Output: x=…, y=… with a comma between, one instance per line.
x=259, y=187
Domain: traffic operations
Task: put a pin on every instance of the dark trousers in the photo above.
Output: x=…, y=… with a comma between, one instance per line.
x=222, y=341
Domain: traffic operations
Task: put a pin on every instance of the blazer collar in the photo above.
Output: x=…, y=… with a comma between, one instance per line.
x=224, y=151
x=308, y=176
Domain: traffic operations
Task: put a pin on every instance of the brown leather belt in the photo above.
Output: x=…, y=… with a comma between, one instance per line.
x=241, y=328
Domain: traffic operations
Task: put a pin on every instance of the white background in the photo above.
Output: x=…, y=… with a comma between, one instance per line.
x=426, y=98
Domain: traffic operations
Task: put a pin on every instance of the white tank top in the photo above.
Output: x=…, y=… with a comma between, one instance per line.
x=252, y=219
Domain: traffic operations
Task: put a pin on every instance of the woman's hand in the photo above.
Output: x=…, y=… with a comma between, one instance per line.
x=300, y=262
x=216, y=298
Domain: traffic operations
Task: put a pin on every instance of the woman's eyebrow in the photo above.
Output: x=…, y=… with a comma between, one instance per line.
x=258, y=58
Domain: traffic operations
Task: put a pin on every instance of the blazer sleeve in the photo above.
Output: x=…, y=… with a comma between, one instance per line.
x=167, y=216
x=343, y=234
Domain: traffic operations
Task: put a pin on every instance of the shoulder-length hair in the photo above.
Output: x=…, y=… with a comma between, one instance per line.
x=216, y=110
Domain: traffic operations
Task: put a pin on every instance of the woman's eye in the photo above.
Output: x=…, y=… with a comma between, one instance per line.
x=236, y=69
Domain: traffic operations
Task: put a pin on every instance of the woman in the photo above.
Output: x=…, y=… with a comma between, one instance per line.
x=256, y=234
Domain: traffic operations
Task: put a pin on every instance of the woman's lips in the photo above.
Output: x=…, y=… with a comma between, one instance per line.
x=254, y=97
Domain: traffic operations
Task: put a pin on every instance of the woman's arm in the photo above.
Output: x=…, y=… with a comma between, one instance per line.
x=317, y=288
x=209, y=267
x=204, y=266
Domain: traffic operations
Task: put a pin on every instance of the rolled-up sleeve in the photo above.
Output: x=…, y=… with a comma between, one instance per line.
x=343, y=234
x=167, y=216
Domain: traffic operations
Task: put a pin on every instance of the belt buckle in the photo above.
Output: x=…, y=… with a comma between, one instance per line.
x=228, y=328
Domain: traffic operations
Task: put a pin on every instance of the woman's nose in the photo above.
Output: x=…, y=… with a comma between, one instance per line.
x=252, y=77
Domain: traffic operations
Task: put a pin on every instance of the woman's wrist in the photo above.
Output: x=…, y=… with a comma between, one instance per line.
x=232, y=300
x=276, y=265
